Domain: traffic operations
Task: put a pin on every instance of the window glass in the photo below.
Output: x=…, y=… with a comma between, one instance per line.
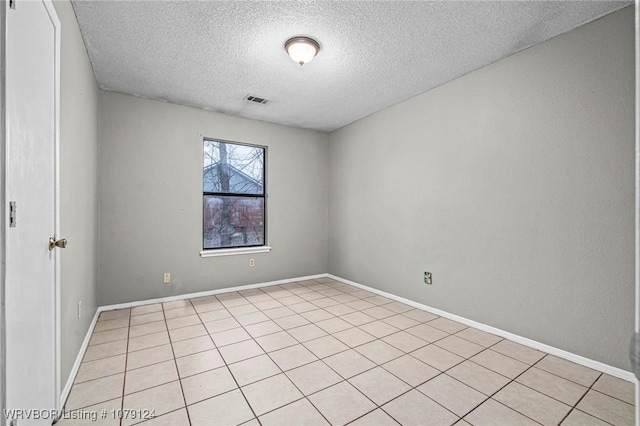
x=233, y=195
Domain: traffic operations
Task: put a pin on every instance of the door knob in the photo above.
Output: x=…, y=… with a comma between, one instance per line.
x=62, y=243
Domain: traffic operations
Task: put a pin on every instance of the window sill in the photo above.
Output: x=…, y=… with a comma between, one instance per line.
x=235, y=251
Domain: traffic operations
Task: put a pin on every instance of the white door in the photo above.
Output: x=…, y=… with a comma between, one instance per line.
x=32, y=270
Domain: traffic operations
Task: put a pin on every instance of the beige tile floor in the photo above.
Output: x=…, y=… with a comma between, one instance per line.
x=321, y=352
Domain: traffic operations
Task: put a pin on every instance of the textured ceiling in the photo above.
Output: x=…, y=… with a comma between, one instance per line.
x=211, y=54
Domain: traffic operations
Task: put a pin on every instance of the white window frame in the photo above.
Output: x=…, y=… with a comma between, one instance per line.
x=232, y=251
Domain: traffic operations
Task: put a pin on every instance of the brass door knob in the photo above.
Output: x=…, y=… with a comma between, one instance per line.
x=62, y=243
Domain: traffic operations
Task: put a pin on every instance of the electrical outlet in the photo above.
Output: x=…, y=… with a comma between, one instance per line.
x=252, y=263
x=427, y=278
x=167, y=277
x=79, y=309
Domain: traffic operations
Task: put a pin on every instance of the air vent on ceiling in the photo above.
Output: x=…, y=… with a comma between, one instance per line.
x=256, y=100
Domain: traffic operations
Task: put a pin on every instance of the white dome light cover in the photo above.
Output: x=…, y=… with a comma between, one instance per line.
x=302, y=49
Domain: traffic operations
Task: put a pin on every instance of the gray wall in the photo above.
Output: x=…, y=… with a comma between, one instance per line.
x=78, y=185
x=151, y=200
x=513, y=185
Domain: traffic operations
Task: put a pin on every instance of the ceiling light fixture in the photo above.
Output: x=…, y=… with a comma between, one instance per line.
x=302, y=49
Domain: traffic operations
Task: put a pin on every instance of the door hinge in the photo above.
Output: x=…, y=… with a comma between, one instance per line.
x=12, y=214
x=12, y=4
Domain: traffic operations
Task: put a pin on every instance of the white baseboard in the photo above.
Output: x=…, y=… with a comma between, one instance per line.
x=595, y=365
x=74, y=371
x=76, y=365
x=207, y=293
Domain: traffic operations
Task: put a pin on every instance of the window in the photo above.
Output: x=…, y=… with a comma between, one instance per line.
x=233, y=195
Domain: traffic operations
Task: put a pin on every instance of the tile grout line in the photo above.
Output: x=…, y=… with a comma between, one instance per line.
x=124, y=378
x=511, y=380
x=225, y=364
x=375, y=364
x=561, y=377
x=175, y=363
x=507, y=384
x=347, y=379
x=535, y=364
x=299, y=342
x=305, y=397
x=611, y=396
x=581, y=398
x=74, y=384
x=443, y=372
x=302, y=365
x=352, y=326
x=251, y=338
x=281, y=372
x=319, y=308
x=335, y=384
x=552, y=397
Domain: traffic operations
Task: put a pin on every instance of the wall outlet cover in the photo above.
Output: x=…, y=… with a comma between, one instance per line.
x=427, y=278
